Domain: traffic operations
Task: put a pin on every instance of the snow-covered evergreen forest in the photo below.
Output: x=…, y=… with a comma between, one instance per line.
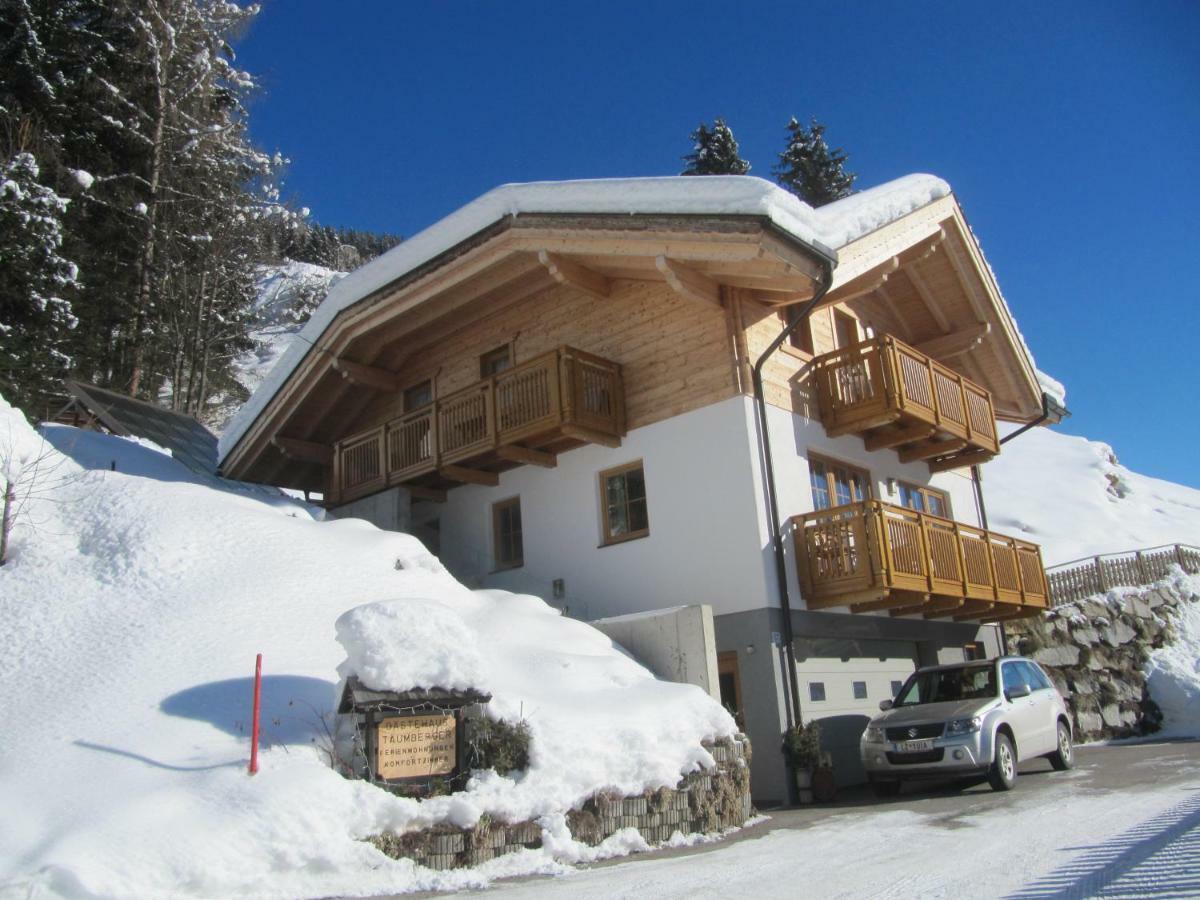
x=135, y=211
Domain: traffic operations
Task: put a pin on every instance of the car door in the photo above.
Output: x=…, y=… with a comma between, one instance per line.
x=1022, y=711
x=1043, y=697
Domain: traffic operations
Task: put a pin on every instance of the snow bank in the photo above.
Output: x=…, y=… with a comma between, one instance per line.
x=826, y=229
x=130, y=613
x=1173, y=673
x=1073, y=497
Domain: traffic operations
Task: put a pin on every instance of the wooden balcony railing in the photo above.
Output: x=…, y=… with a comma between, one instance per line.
x=873, y=556
x=547, y=404
x=896, y=396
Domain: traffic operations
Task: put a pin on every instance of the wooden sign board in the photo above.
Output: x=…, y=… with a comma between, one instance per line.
x=415, y=746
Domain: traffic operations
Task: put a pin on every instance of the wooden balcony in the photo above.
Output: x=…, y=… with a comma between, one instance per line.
x=526, y=414
x=897, y=397
x=875, y=556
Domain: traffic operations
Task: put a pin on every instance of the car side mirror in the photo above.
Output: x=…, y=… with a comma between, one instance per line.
x=885, y=705
x=1017, y=692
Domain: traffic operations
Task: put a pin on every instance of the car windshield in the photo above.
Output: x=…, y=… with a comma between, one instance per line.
x=944, y=685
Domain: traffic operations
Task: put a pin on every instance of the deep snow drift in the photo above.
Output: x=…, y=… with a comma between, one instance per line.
x=1073, y=497
x=130, y=613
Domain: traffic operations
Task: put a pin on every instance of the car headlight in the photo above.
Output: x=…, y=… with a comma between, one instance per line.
x=873, y=734
x=963, y=726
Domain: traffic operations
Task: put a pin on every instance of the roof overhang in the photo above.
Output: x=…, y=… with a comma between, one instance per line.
x=367, y=341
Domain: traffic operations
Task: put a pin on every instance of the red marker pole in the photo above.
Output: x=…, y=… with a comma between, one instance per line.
x=257, y=705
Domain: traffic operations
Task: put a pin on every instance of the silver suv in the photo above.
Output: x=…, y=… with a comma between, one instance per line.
x=974, y=718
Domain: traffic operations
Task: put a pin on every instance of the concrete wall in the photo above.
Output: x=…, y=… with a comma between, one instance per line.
x=703, y=546
x=388, y=510
x=675, y=644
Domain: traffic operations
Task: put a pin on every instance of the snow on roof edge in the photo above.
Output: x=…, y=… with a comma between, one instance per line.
x=824, y=229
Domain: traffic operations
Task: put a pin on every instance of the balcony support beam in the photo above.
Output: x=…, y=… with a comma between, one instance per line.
x=470, y=476
x=303, y=451
x=886, y=440
x=973, y=458
x=687, y=282
x=518, y=454
x=567, y=271
x=973, y=609
x=367, y=376
x=956, y=343
x=931, y=448
x=591, y=436
x=892, y=600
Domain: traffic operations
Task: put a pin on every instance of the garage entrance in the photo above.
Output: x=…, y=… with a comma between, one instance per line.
x=841, y=684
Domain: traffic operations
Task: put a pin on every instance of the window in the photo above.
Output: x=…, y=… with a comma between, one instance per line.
x=974, y=650
x=835, y=484
x=623, y=499
x=816, y=691
x=896, y=685
x=506, y=533
x=495, y=361
x=845, y=329
x=925, y=499
x=1014, y=677
x=418, y=395
x=801, y=338
x=860, y=690
x=1033, y=676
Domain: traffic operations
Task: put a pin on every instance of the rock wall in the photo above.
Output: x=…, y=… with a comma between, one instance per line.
x=1096, y=649
x=704, y=802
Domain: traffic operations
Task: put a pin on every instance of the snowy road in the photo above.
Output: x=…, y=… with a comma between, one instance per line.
x=1125, y=823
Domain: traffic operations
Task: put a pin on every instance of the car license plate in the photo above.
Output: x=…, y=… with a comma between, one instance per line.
x=914, y=747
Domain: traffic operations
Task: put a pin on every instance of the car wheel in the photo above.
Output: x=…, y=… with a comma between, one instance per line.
x=1064, y=757
x=885, y=789
x=1003, y=773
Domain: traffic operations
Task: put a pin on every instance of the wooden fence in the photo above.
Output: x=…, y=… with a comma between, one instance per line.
x=1081, y=578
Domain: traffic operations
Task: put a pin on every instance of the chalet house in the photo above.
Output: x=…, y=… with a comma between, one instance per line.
x=635, y=394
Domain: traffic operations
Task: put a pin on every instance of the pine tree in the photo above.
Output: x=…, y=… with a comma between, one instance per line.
x=714, y=152
x=35, y=283
x=809, y=169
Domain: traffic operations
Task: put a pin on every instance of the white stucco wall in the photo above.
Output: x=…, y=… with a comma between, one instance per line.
x=704, y=542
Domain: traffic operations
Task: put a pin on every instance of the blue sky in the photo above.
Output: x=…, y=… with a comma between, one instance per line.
x=1070, y=133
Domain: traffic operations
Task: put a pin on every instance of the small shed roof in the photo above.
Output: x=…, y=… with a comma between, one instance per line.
x=357, y=697
x=189, y=442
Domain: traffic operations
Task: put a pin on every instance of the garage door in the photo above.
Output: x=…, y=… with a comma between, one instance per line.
x=841, y=684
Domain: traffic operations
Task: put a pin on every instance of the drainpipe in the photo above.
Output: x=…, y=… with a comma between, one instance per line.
x=1052, y=411
x=772, y=501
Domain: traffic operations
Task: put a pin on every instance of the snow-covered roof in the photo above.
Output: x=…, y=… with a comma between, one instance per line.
x=825, y=229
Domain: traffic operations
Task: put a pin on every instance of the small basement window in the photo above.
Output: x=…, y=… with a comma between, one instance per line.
x=896, y=685
x=816, y=691
x=623, y=499
x=860, y=690
x=506, y=534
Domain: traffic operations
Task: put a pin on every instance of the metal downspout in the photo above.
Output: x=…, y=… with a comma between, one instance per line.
x=1049, y=408
x=772, y=501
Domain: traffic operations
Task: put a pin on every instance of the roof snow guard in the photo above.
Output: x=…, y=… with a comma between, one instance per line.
x=822, y=231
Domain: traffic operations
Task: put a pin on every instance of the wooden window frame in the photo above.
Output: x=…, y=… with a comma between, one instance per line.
x=417, y=382
x=923, y=491
x=607, y=537
x=840, y=315
x=803, y=332
x=830, y=481
x=508, y=349
x=498, y=507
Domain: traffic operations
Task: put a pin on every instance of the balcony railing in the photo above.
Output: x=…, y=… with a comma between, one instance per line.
x=549, y=403
x=896, y=396
x=874, y=556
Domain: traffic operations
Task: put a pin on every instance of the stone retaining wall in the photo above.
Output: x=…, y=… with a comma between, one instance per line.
x=706, y=802
x=1095, y=650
